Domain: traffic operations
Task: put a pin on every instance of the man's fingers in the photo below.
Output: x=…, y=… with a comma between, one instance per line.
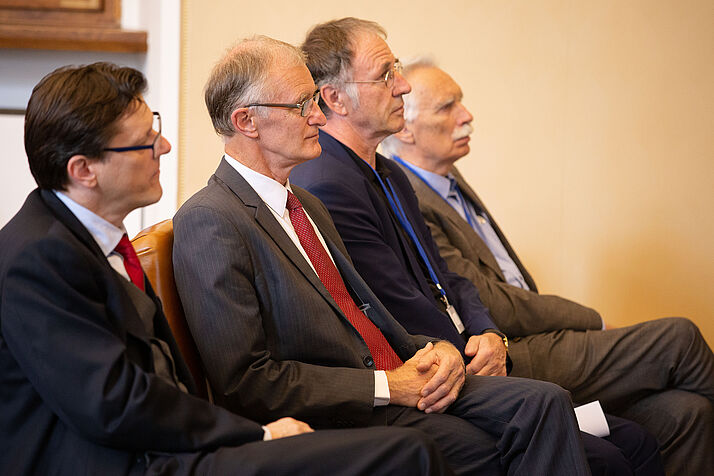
x=438, y=379
x=476, y=365
x=472, y=345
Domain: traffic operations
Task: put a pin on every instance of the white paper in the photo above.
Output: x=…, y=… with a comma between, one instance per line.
x=591, y=419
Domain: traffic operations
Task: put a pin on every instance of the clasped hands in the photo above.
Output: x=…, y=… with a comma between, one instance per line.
x=430, y=381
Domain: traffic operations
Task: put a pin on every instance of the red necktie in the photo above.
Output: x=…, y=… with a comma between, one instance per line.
x=384, y=356
x=131, y=261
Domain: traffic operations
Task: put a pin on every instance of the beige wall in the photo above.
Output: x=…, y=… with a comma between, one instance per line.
x=594, y=142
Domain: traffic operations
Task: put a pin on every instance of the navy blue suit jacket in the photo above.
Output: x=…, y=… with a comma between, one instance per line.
x=381, y=252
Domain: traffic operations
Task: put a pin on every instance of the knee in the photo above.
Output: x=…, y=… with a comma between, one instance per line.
x=679, y=329
x=549, y=392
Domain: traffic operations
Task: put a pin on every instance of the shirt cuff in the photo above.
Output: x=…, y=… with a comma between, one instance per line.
x=381, y=388
x=267, y=436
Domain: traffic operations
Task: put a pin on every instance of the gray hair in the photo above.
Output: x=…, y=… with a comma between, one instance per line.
x=391, y=145
x=329, y=48
x=240, y=77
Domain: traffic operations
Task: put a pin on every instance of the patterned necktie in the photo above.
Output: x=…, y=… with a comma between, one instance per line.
x=131, y=261
x=384, y=356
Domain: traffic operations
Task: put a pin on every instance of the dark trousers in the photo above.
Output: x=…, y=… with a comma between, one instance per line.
x=502, y=425
x=630, y=450
x=659, y=374
x=373, y=451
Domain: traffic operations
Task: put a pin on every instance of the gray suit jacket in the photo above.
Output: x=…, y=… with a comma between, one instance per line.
x=517, y=312
x=273, y=340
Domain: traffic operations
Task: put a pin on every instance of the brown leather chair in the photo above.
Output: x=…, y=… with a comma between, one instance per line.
x=154, y=247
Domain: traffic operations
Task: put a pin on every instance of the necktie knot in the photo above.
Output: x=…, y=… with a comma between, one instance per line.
x=293, y=202
x=453, y=188
x=131, y=261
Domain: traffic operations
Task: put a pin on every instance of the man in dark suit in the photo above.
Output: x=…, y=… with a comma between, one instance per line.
x=659, y=373
x=375, y=211
x=286, y=326
x=91, y=379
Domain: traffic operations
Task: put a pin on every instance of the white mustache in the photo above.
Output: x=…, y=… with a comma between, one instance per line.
x=462, y=131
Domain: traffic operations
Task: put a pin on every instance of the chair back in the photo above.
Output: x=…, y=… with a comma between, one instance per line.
x=154, y=247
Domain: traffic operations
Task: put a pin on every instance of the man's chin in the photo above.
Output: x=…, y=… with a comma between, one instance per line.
x=396, y=125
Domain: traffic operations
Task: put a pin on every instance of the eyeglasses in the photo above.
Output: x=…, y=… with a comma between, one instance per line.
x=388, y=79
x=304, y=106
x=155, y=126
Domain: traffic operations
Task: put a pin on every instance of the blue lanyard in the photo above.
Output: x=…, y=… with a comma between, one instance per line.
x=396, y=207
x=467, y=212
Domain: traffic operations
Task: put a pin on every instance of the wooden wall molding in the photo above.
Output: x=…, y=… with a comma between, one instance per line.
x=79, y=25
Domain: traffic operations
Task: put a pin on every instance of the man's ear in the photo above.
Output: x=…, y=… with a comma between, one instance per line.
x=334, y=99
x=406, y=136
x=243, y=123
x=81, y=171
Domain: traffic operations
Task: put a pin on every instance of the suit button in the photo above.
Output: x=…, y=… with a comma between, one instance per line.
x=368, y=361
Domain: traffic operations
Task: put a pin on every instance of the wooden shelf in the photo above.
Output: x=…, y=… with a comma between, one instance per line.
x=76, y=39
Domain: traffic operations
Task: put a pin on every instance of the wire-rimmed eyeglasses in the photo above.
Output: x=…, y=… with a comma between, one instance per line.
x=304, y=106
x=388, y=78
x=155, y=126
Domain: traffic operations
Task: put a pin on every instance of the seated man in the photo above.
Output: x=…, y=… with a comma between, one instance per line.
x=375, y=211
x=286, y=326
x=91, y=381
x=659, y=373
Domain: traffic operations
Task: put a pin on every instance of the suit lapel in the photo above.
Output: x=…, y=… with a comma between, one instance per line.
x=466, y=188
x=130, y=320
x=265, y=219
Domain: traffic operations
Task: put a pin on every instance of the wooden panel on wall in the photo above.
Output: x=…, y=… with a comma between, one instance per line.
x=84, y=25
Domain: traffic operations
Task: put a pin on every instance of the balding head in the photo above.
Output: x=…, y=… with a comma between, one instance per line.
x=242, y=77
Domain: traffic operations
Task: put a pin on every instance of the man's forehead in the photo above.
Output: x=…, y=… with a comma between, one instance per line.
x=371, y=51
x=292, y=82
x=434, y=85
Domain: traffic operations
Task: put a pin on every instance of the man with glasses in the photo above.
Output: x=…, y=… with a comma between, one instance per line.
x=286, y=326
x=91, y=379
x=375, y=211
x=659, y=373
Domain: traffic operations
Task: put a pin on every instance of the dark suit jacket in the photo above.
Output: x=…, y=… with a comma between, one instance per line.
x=273, y=340
x=382, y=254
x=77, y=389
x=518, y=312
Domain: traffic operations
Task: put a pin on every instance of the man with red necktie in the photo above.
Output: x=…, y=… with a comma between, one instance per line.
x=91, y=379
x=286, y=326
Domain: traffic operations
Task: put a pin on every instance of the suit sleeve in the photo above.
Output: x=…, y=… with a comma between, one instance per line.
x=518, y=312
x=70, y=344
x=215, y=275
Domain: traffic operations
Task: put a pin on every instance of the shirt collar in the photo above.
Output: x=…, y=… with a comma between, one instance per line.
x=104, y=233
x=273, y=193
